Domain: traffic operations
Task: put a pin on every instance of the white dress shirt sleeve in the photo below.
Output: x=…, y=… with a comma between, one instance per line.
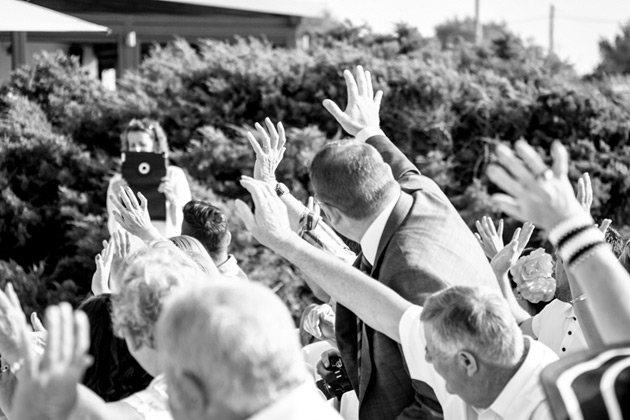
x=414, y=344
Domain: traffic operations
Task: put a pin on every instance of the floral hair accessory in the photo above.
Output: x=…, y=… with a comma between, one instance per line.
x=533, y=276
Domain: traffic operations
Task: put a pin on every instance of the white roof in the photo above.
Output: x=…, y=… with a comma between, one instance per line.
x=20, y=16
x=305, y=8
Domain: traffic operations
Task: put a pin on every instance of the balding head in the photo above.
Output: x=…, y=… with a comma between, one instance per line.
x=352, y=177
x=229, y=349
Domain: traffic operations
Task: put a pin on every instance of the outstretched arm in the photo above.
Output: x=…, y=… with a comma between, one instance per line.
x=377, y=305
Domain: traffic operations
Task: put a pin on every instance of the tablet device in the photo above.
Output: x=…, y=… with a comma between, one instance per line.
x=143, y=172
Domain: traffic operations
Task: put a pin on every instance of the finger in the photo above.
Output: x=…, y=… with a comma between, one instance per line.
x=117, y=201
x=132, y=198
x=369, y=87
x=317, y=211
x=266, y=142
x=490, y=225
x=272, y=133
x=351, y=84
x=334, y=110
x=507, y=205
x=126, y=242
x=588, y=189
x=310, y=203
x=143, y=201
x=581, y=191
x=13, y=297
x=82, y=335
x=525, y=236
x=514, y=165
x=245, y=214
x=378, y=98
x=66, y=344
x=516, y=234
x=361, y=81
x=252, y=140
x=560, y=160
x=531, y=158
x=104, y=243
x=37, y=323
x=281, y=154
x=26, y=348
x=51, y=354
x=603, y=227
x=500, y=230
x=125, y=200
x=478, y=238
x=260, y=194
x=118, y=217
x=505, y=181
x=283, y=136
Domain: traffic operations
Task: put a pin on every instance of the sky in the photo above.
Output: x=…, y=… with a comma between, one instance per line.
x=579, y=24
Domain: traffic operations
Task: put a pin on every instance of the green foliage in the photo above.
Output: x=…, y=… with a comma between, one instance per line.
x=616, y=53
x=447, y=102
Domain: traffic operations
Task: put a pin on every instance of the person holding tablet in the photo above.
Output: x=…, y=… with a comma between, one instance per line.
x=145, y=169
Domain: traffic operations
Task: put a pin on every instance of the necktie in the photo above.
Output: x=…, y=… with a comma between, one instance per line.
x=365, y=267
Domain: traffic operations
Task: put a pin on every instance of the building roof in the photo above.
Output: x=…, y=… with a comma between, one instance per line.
x=304, y=8
x=20, y=16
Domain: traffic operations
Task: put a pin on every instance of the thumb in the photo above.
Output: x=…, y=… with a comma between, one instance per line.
x=37, y=324
x=245, y=214
x=334, y=110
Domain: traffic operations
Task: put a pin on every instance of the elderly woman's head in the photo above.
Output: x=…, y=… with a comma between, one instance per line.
x=144, y=135
x=151, y=274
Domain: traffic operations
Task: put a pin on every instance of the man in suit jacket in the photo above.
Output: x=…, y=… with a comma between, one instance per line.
x=412, y=240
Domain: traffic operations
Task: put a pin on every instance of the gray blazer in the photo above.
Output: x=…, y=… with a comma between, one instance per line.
x=426, y=246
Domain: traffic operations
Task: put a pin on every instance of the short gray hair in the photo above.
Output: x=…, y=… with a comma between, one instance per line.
x=474, y=319
x=151, y=274
x=238, y=339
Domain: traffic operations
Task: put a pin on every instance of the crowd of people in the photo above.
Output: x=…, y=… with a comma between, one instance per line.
x=420, y=318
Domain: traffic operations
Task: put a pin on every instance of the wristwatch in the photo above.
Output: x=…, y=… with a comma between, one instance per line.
x=281, y=189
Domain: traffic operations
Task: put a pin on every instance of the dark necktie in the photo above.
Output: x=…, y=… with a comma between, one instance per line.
x=365, y=267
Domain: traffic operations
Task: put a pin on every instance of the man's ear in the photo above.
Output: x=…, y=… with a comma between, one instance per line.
x=468, y=362
x=189, y=394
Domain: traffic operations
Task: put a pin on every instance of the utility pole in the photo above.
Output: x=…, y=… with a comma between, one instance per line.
x=478, y=30
x=552, y=16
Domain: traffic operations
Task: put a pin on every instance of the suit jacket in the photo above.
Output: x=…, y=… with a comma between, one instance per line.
x=425, y=247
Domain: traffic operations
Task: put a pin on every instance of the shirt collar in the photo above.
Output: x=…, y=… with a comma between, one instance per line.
x=372, y=236
x=512, y=395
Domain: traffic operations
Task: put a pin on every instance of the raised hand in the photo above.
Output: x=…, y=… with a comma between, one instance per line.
x=490, y=239
x=121, y=248
x=133, y=215
x=270, y=224
x=505, y=258
x=534, y=192
x=12, y=323
x=47, y=388
x=363, y=104
x=103, y=260
x=585, y=192
x=519, y=242
x=270, y=154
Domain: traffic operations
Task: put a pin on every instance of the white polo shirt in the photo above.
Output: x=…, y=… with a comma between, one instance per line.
x=557, y=327
x=522, y=398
